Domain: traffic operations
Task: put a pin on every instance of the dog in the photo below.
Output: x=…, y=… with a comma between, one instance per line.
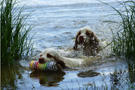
x=86, y=38
x=51, y=54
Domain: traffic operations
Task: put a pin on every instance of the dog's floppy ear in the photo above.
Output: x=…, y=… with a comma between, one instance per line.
x=76, y=42
x=62, y=64
x=94, y=43
x=92, y=35
x=93, y=39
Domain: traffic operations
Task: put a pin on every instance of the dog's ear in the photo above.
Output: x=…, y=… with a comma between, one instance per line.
x=94, y=43
x=62, y=64
x=76, y=42
x=92, y=35
x=93, y=39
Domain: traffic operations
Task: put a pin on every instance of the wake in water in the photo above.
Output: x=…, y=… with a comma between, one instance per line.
x=103, y=56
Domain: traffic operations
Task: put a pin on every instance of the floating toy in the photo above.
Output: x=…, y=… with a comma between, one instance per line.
x=48, y=66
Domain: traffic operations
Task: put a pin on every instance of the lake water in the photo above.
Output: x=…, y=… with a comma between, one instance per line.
x=56, y=23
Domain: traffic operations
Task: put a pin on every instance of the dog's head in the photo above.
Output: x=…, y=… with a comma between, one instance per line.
x=85, y=37
x=51, y=54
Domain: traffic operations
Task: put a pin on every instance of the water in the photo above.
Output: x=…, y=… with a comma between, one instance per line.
x=56, y=23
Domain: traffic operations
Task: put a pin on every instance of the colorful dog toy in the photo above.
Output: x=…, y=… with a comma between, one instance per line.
x=48, y=66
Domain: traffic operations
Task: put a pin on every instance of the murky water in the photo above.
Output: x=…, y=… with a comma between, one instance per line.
x=56, y=23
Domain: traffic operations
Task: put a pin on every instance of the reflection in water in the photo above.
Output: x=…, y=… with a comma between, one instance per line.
x=48, y=78
x=131, y=71
x=124, y=78
x=89, y=73
x=118, y=79
x=14, y=77
x=9, y=75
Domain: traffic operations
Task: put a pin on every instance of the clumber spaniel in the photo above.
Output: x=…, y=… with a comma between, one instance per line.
x=51, y=54
x=88, y=40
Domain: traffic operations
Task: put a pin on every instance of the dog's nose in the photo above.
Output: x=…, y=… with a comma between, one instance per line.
x=81, y=39
x=41, y=60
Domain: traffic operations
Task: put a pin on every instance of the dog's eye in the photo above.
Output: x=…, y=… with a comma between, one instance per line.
x=88, y=33
x=49, y=55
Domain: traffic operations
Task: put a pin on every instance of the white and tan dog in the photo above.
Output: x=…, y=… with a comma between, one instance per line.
x=51, y=54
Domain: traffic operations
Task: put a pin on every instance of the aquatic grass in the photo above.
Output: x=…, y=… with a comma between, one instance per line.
x=14, y=33
x=123, y=42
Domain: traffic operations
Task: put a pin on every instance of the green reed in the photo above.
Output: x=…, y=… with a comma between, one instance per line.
x=123, y=41
x=14, y=33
